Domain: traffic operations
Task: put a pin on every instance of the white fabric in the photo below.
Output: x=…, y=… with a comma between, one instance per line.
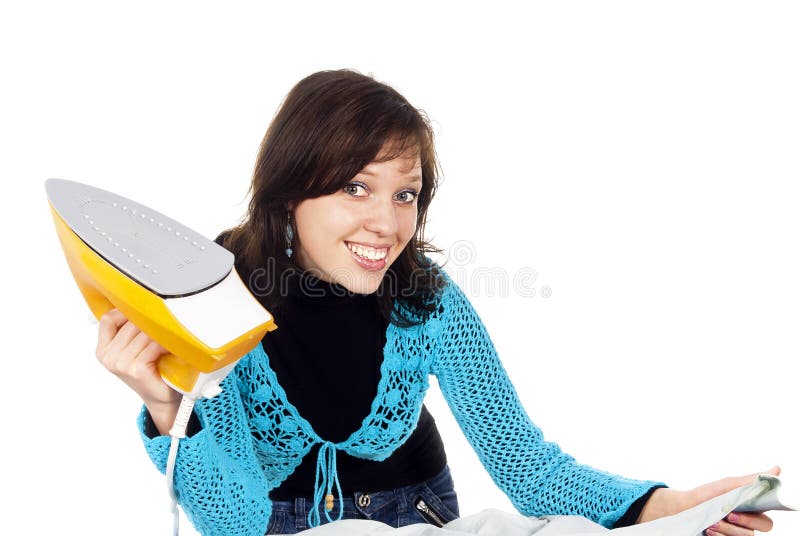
x=760, y=496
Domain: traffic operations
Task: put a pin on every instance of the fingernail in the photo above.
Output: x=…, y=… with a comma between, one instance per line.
x=733, y=517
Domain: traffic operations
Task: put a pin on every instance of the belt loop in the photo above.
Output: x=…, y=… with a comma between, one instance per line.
x=400, y=495
x=300, y=513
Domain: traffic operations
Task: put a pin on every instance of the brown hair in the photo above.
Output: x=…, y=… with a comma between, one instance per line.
x=329, y=127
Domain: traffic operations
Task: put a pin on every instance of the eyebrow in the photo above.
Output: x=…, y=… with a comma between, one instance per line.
x=410, y=178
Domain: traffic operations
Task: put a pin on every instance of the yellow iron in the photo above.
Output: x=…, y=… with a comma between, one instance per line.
x=174, y=284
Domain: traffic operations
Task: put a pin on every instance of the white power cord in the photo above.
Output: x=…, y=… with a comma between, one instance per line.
x=177, y=432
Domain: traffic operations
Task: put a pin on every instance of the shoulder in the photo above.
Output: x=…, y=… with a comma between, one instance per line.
x=448, y=301
x=446, y=290
x=455, y=310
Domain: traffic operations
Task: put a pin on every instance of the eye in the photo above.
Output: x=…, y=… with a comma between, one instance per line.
x=407, y=196
x=352, y=188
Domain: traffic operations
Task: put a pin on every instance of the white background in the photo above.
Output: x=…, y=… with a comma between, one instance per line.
x=641, y=157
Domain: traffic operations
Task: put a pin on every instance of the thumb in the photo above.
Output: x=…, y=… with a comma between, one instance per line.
x=714, y=489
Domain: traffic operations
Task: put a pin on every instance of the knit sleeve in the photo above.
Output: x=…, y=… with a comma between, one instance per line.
x=220, y=484
x=536, y=475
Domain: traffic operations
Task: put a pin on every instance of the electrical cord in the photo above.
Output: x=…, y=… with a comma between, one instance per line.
x=177, y=432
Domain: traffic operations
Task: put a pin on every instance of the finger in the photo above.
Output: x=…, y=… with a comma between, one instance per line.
x=775, y=471
x=119, y=355
x=150, y=354
x=724, y=528
x=118, y=351
x=714, y=489
x=109, y=324
x=717, y=488
x=145, y=369
x=142, y=367
x=134, y=350
x=759, y=522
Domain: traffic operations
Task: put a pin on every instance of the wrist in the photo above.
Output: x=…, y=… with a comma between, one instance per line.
x=662, y=503
x=163, y=414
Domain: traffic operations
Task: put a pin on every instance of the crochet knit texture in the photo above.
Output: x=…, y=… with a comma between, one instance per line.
x=252, y=438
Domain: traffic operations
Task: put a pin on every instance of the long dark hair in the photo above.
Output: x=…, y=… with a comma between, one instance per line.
x=331, y=125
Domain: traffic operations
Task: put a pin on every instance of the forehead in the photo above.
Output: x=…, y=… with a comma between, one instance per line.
x=407, y=163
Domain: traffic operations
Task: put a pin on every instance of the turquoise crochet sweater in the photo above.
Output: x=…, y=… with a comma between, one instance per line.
x=252, y=438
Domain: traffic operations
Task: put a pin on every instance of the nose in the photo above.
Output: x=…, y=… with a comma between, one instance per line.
x=381, y=218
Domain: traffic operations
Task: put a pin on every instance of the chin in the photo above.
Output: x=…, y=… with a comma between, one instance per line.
x=365, y=288
x=363, y=285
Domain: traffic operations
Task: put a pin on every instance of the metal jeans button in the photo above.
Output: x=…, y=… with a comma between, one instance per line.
x=364, y=500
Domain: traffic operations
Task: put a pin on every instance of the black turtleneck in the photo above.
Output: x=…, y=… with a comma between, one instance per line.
x=326, y=354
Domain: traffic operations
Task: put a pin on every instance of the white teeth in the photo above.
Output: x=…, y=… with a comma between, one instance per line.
x=367, y=252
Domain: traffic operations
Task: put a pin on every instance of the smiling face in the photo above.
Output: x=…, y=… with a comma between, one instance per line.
x=353, y=236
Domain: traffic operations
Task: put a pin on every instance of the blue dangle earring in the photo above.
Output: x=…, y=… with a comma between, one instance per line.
x=289, y=235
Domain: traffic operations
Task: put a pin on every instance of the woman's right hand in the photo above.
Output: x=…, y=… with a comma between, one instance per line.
x=132, y=356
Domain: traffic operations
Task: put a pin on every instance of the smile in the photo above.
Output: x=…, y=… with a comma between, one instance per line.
x=367, y=252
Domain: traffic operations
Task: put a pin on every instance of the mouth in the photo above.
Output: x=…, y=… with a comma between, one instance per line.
x=369, y=257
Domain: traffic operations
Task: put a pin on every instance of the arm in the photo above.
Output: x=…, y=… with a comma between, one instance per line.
x=218, y=480
x=535, y=474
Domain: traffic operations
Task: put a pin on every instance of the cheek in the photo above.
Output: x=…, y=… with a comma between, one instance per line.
x=319, y=221
x=407, y=225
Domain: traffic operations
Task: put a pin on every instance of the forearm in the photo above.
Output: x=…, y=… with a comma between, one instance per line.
x=162, y=416
x=222, y=490
x=663, y=502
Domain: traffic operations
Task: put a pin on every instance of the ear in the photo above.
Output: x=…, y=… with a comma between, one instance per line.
x=291, y=205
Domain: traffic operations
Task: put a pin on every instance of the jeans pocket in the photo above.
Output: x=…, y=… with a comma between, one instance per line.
x=432, y=509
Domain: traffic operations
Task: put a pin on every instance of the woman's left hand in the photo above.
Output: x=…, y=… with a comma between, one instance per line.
x=666, y=502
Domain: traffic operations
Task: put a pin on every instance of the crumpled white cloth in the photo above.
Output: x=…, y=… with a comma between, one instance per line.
x=760, y=496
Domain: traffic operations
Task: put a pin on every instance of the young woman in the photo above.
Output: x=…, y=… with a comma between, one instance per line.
x=325, y=418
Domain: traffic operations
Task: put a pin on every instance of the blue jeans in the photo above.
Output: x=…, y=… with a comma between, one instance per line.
x=433, y=501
